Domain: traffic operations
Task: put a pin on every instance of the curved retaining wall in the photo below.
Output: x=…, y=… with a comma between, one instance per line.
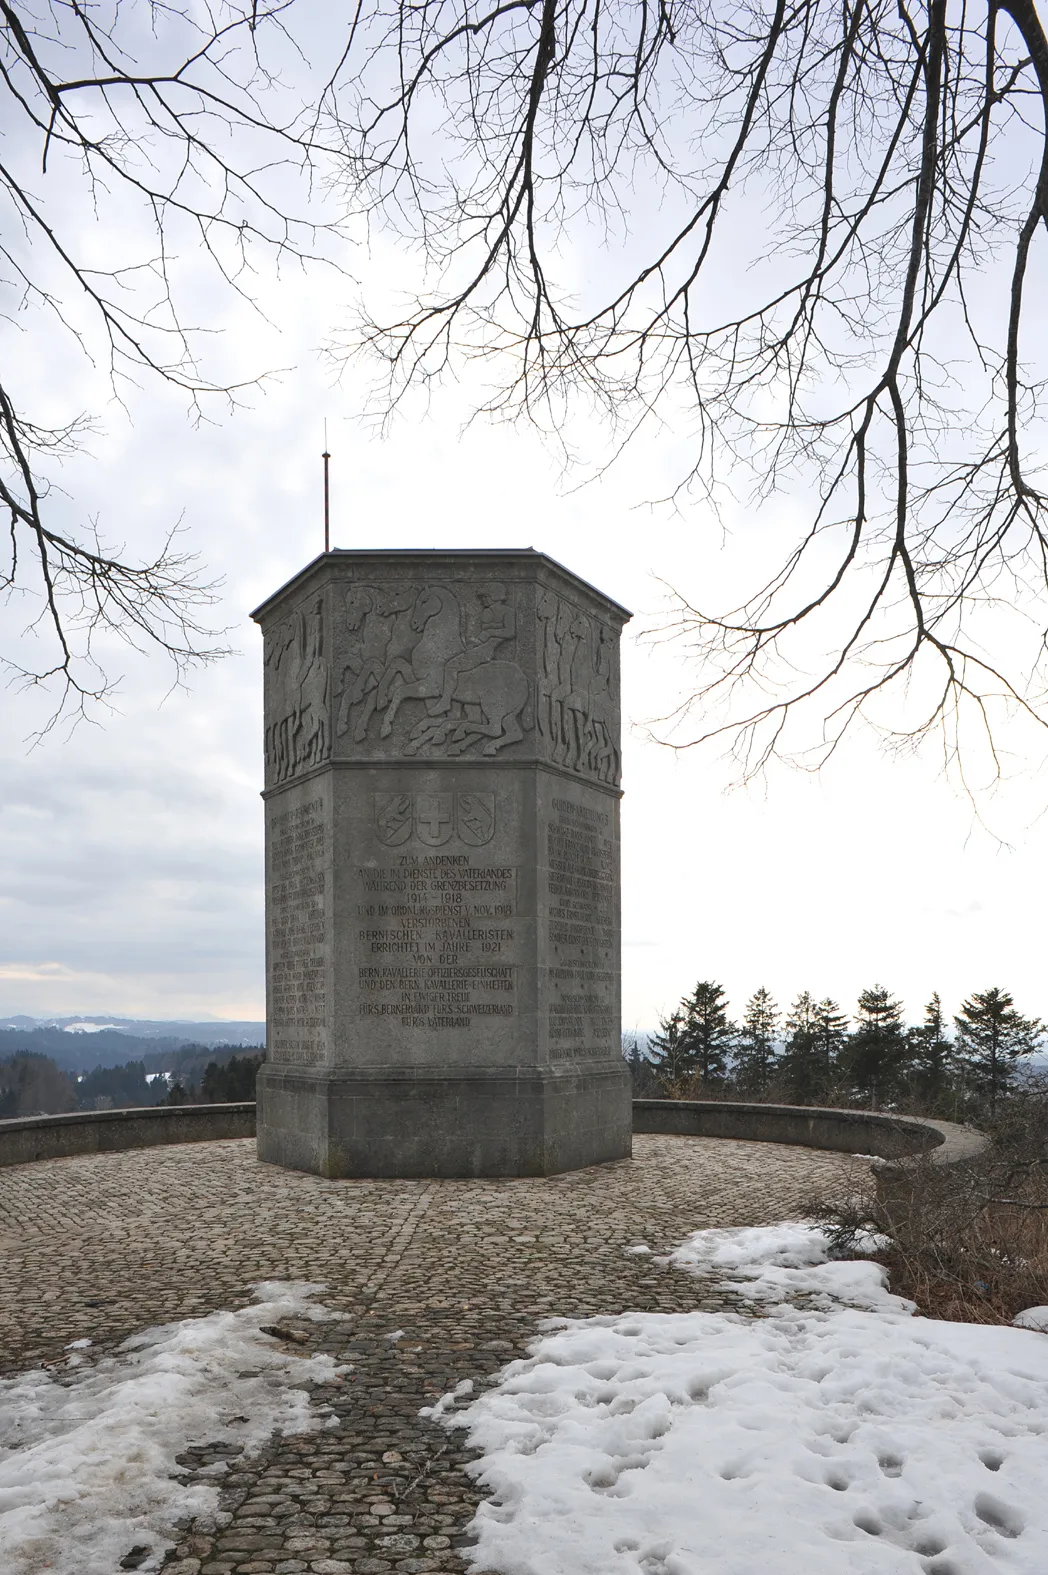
x=104, y=1131
x=846, y=1131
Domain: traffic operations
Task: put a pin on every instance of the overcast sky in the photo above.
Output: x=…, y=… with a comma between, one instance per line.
x=131, y=851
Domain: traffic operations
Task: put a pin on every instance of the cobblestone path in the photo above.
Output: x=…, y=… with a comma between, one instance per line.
x=105, y=1245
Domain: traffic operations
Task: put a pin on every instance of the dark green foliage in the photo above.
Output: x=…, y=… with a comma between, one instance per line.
x=221, y=1082
x=991, y=1039
x=669, y=1054
x=708, y=1035
x=831, y=1042
x=755, y=1049
x=814, y=1059
x=224, y=1085
x=931, y=1062
x=32, y=1085
x=802, y=1062
x=80, y=1052
x=118, y=1088
x=189, y=1065
x=643, y=1079
x=878, y=1051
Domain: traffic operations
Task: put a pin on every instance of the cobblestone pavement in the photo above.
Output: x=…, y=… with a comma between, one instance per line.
x=105, y=1245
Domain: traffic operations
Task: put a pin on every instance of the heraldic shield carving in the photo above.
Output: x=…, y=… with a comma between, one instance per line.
x=434, y=818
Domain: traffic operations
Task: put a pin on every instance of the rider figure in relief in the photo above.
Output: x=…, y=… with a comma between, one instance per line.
x=498, y=622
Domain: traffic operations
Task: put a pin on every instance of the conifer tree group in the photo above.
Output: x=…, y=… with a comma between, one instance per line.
x=814, y=1054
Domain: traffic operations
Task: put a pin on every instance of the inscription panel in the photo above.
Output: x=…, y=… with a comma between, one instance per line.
x=582, y=929
x=298, y=857
x=436, y=935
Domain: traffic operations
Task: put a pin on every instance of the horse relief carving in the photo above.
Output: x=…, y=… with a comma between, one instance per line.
x=298, y=685
x=411, y=643
x=576, y=706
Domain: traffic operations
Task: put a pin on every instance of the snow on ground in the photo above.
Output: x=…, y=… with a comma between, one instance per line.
x=87, y=1452
x=767, y=1263
x=840, y=1436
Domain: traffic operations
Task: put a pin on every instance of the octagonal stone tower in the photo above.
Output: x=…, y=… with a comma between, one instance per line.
x=442, y=868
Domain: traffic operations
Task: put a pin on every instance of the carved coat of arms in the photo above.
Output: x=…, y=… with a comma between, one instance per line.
x=394, y=813
x=475, y=817
x=434, y=818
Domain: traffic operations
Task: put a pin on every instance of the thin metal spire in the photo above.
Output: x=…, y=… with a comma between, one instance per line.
x=327, y=493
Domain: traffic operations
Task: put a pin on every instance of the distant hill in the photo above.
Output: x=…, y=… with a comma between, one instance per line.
x=78, y=1044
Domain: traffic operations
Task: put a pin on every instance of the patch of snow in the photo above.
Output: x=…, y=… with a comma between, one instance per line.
x=1032, y=1318
x=435, y=1412
x=87, y=1457
x=846, y=1437
x=771, y=1263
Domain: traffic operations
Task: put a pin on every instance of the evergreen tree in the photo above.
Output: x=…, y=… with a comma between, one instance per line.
x=879, y=1049
x=830, y=1027
x=32, y=1085
x=669, y=1054
x=991, y=1038
x=233, y=1081
x=708, y=1035
x=801, y=1061
x=642, y=1078
x=755, y=1050
x=120, y=1087
x=931, y=1054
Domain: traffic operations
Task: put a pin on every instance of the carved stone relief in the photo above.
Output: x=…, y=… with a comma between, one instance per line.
x=433, y=671
x=298, y=694
x=434, y=818
x=577, y=701
x=447, y=652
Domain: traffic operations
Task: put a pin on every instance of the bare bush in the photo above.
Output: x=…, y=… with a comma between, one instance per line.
x=967, y=1242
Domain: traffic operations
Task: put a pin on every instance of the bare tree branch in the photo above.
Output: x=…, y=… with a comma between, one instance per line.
x=875, y=352
x=169, y=119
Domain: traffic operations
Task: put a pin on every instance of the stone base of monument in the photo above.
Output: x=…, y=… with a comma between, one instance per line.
x=397, y=1123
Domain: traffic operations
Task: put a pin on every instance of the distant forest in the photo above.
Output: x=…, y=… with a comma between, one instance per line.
x=34, y=1083
x=813, y=1053
x=82, y=1052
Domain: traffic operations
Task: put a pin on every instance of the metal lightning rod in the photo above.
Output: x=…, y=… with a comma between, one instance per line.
x=327, y=494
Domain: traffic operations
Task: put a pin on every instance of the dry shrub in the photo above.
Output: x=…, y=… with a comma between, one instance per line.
x=968, y=1242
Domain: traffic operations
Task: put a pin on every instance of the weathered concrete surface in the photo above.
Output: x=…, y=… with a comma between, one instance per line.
x=442, y=868
x=102, y=1246
x=890, y=1137
x=30, y=1138
x=863, y=1132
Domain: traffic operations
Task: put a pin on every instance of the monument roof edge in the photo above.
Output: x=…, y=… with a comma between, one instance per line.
x=364, y=553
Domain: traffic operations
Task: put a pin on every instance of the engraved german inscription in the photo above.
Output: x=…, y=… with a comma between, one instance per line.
x=297, y=933
x=436, y=939
x=580, y=851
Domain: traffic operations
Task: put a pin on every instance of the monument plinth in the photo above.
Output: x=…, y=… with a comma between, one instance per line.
x=442, y=868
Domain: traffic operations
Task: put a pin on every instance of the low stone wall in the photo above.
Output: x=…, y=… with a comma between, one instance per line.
x=104, y=1131
x=896, y=1138
x=845, y=1131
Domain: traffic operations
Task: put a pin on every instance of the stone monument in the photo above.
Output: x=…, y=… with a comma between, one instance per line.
x=442, y=868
